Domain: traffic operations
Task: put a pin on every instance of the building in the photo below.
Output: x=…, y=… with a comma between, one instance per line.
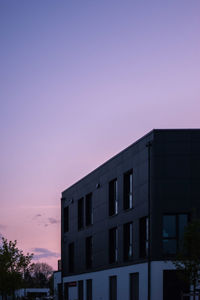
x=123, y=223
x=32, y=293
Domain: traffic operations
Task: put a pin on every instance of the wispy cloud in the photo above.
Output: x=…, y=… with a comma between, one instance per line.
x=53, y=221
x=43, y=221
x=38, y=215
x=43, y=253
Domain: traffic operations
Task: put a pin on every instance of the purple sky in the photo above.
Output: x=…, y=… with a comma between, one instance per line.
x=80, y=81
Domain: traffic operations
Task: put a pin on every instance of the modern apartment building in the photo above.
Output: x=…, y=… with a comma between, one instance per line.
x=122, y=224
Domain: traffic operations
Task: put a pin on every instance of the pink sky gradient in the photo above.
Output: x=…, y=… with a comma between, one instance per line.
x=80, y=81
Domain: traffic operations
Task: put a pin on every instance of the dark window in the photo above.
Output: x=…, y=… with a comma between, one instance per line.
x=80, y=213
x=66, y=291
x=143, y=237
x=80, y=290
x=88, y=209
x=88, y=252
x=71, y=257
x=59, y=286
x=89, y=289
x=113, y=288
x=173, y=231
x=128, y=190
x=128, y=241
x=173, y=285
x=113, y=197
x=113, y=245
x=134, y=286
x=66, y=219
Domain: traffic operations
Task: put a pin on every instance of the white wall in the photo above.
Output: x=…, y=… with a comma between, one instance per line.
x=24, y=292
x=100, y=281
x=56, y=281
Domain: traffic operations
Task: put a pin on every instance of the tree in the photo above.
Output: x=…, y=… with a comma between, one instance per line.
x=39, y=276
x=188, y=258
x=13, y=265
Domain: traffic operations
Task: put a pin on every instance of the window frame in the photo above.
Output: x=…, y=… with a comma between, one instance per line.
x=128, y=202
x=80, y=211
x=113, y=197
x=176, y=237
x=88, y=210
x=113, y=248
x=128, y=241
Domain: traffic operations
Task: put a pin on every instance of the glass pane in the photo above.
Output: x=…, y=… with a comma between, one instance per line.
x=169, y=226
x=169, y=246
x=182, y=223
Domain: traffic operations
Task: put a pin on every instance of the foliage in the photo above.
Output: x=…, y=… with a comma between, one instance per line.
x=39, y=276
x=13, y=265
x=188, y=257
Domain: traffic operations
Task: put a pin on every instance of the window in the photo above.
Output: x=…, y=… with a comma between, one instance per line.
x=144, y=227
x=113, y=245
x=88, y=210
x=71, y=257
x=173, y=230
x=113, y=288
x=113, y=197
x=80, y=213
x=134, y=286
x=174, y=285
x=66, y=219
x=66, y=291
x=80, y=290
x=89, y=289
x=128, y=241
x=88, y=252
x=128, y=190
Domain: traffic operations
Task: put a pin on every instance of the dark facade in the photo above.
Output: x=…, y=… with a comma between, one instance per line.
x=106, y=215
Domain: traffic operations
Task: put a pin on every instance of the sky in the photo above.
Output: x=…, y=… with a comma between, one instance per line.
x=80, y=80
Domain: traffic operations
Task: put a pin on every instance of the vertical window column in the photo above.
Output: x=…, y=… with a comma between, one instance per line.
x=113, y=245
x=89, y=289
x=66, y=219
x=128, y=190
x=80, y=213
x=134, y=286
x=128, y=241
x=143, y=225
x=80, y=290
x=88, y=210
x=113, y=288
x=113, y=197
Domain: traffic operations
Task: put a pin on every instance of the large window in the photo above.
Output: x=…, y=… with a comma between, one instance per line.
x=173, y=230
x=128, y=190
x=66, y=291
x=144, y=225
x=89, y=289
x=80, y=290
x=113, y=245
x=128, y=241
x=134, y=286
x=66, y=219
x=80, y=213
x=113, y=288
x=88, y=210
x=88, y=252
x=113, y=197
x=71, y=257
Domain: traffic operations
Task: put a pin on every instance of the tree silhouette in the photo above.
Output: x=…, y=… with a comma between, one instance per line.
x=188, y=257
x=13, y=265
